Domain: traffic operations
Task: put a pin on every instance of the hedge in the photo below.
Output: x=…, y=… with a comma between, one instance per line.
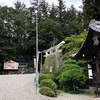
x=43, y=76
x=48, y=83
x=47, y=91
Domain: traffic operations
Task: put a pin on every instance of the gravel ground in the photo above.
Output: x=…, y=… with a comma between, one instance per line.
x=22, y=87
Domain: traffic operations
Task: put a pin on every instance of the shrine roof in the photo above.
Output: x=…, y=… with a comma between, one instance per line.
x=91, y=45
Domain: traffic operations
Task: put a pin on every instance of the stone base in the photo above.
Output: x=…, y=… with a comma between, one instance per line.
x=92, y=89
x=95, y=90
x=19, y=71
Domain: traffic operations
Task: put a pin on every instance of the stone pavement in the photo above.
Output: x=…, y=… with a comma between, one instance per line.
x=22, y=87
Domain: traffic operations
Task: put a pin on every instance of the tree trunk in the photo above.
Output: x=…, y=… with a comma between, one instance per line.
x=73, y=85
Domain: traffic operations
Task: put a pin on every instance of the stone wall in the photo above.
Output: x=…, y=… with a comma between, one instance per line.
x=27, y=70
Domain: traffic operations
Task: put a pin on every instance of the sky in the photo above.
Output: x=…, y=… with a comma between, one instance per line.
x=10, y=3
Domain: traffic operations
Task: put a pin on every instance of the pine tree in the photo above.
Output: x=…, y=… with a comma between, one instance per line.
x=43, y=10
x=72, y=22
x=61, y=13
x=53, y=13
x=91, y=10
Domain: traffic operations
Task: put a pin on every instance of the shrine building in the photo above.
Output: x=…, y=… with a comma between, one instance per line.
x=90, y=51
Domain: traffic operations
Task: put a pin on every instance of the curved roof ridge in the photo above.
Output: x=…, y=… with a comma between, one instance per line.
x=95, y=25
x=88, y=49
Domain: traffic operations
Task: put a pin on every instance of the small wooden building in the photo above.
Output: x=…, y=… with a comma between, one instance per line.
x=90, y=51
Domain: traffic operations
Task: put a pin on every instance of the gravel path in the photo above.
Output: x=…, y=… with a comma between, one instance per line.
x=22, y=87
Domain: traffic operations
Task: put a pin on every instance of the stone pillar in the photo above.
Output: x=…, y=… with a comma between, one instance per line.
x=46, y=54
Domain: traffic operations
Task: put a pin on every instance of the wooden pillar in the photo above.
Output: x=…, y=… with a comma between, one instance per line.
x=98, y=67
x=97, y=92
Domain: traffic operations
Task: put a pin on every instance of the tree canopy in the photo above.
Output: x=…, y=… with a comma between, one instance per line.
x=73, y=44
x=17, y=27
x=90, y=11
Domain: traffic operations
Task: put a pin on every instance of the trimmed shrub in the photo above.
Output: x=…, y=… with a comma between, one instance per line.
x=47, y=91
x=43, y=76
x=48, y=83
x=51, y=76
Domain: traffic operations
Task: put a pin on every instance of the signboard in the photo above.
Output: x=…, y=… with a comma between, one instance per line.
x=11, y=65
x=35, y=63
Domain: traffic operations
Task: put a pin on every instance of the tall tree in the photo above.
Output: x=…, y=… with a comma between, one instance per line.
x=73, y=44
x=72, y=75
x=17, y=32
x=7, y=45
x=53, y=13
x=43, y=10
x=61, y=13
x=72, y=22
x=48, y=29
x=91, y=10
x=22, y=23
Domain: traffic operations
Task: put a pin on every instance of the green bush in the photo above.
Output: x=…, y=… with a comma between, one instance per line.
x=68, y=86
x=58, y=72
x=48, y=83
x=43, y=76
x=47, y=91
x=72, y=76
x=51, y=76
x=56, y=80
x=70, y=61
x=46, y=72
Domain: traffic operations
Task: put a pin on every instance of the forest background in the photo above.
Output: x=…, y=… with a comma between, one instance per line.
x=17, y=27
